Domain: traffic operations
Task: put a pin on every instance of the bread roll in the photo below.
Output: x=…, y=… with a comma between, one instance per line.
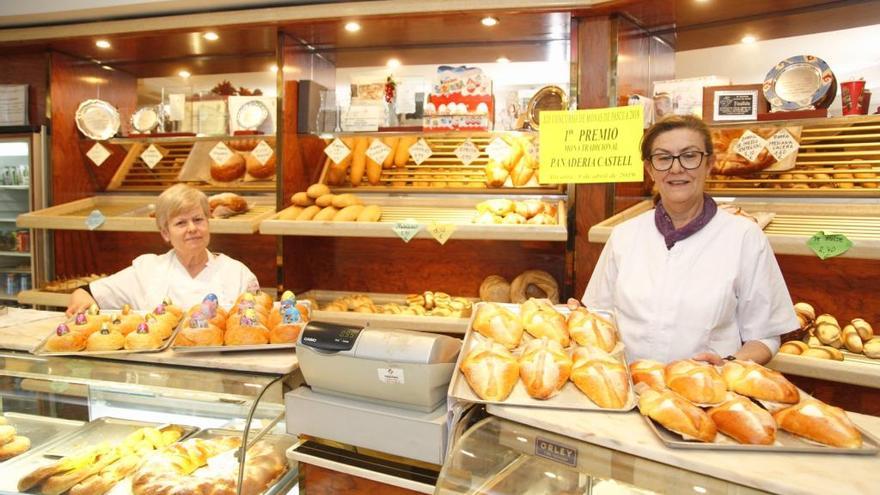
x=696, y=381
x=370, y=213
x=823, y=352
x=17, y=445
x=495, y=288
x=753, y=380
x=590, y=329
x=499, y=324
x=233, y=168
x=851, y=339
x=105, y=340
x=601, y=377
x=534, y=283
x=259, y=170
x=348, y=214
x=828, y=333
x=290, y=213
x=326, y=214
x=541, y=319
x=496, y=174
x=490, y=370
x=325, y=200
x=826, y=318
x=793, y=347
x=863, y=328
x=301, y=199
x=744, y=421
x=344, y=200
x=871, y=348
x=649, y=372
x=315, y=191
x=308, y=213
x=65, y=340
x=359, y=160
x=544, y=367
x=677, y=414
x=142, y=338
x=819, y=422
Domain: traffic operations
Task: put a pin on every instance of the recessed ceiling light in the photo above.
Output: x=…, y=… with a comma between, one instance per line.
x=352, y=27
x=107, y=67
x=102, y=44
x=184, y=74
x=748, y=39
x=273, y=68
x=393, y=63
x=211, y=36
x=489, y=21
x=503, y=60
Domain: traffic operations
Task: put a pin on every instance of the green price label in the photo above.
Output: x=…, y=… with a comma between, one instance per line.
x=829, y=245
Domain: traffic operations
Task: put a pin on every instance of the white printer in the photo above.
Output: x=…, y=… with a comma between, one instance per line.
x=380, y=389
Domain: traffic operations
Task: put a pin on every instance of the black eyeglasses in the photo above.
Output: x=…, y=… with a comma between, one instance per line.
x=688, y=160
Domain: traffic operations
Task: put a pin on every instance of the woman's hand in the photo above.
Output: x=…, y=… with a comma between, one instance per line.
x=709, y=357
x=80, y=301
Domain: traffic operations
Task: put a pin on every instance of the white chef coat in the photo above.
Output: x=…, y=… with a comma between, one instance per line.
x=151, y=278
x=711, y=292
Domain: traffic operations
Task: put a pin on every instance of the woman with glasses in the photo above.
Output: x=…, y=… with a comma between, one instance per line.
x=687, y=279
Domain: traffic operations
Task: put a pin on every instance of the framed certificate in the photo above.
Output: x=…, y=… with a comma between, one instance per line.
x=13, y=104
x=733, y=103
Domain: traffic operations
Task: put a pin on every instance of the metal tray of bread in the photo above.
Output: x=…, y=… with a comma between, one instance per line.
x=785, y=442
x=569, y=397
x=40, y=348
x=101, y=430
x=40, y=429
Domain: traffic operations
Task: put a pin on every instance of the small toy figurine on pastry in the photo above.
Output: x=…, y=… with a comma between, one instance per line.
x=159, y=327
x=248, y=331
x=143, y=338
x=288, y=329
x=210, y=310
x=128, y=320
x=288, y=300
x=64, y=340
x=83, y=326
x=260, y=298
x=183, y=274
x=199, y=331
x=105, y=340
x=165, y=316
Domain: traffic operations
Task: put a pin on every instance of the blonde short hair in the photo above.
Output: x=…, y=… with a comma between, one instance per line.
x=177, y=199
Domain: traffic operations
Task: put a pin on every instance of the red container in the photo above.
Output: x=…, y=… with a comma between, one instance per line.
x=851, y=95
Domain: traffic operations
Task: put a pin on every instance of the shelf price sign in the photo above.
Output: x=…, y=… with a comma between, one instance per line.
x=152, y=155
x=262, y=152
x=828, y=245
x=591, y=146
x=98, y=154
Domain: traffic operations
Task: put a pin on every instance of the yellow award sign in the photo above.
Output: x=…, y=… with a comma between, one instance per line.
x=587, y=146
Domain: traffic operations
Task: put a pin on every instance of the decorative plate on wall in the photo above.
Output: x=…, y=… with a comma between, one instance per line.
x=799, y=83
x=97, y=119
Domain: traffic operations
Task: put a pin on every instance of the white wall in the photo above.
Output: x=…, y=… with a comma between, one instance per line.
x=851, y=54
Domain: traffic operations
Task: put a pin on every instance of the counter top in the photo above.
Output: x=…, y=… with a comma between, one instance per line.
x=25, y=337
x=784, y=473
x=854, y=369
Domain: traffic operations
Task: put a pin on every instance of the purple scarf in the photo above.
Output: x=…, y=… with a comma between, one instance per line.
x=667, y=229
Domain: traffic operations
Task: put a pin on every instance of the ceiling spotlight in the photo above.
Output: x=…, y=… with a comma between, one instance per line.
x=102, y=44
x=503, y=60
x=273, y=69
x=393, y=63
x=184, y=74
x=489, y=21
x=749, y=39
x=352, y=27
x=107, y=67
x=211, y=36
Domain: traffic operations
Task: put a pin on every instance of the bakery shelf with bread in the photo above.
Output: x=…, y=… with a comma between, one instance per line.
x=423, y=209
x=188, y=159
x=512, y=166
x=837, y=157
x=123, y=213
x=428, y=311
x=792, y=224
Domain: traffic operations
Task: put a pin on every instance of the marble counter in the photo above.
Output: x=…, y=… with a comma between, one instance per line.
x=854, y=369
x=784, y=473
x=24, y=337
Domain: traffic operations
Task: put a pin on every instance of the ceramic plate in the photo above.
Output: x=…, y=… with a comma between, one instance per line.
x=251, y=115
x=798, y=83
x=97, y=119
x=145, y=119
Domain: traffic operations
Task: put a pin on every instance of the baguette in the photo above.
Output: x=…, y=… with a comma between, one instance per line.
x=348, y=214
x=326, y=214
x=392, y=143
x=371, y=213
x=308, y=213
x=401, y=155
x=359, y=160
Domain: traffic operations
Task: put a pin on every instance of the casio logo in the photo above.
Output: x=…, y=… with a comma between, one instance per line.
x=310, y=339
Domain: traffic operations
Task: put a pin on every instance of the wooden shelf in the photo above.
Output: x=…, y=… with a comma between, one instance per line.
x=855, y=369
x=424, y=210
x=793, y=224
x=132, y=214
x=16, y=254
x=442, y=324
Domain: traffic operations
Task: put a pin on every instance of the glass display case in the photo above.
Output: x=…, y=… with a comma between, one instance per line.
x=62, y=404
x=497, y=456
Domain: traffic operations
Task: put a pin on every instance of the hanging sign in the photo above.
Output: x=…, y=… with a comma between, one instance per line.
x=441, y=231
x=407, y=229
x=420, y=151
x=152, y=155
x=337, y=151
x=95, y=219
x=378, y=151
x=262, y=152
x=467, y=152
x=591, y=146
x=98, y=154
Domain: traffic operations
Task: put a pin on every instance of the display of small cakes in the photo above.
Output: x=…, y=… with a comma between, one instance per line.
x=253, y=320
x=537, y=354
x=509, y=212
x=97, y=332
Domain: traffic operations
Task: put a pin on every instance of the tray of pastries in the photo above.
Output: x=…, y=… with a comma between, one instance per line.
x=740, y=406
x=541, y=355
x=21, y=432
x=96, y=332
x=253, y=323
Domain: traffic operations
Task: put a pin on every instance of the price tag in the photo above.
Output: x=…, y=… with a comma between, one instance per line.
x=95, y=219
x=829, y=245
x=262, y=152
x=378, y=151
x=441, y=231
x=391, y=375
x=337, y=151
x=220, y=153
x=407, y=229
x=467, y=152
x=498, y=150
x=151, y=156
x=750, y=145
x=420, y=151
x=782, y=144
x=98, y=154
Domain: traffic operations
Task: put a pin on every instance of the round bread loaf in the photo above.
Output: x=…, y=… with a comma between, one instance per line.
x=231, y=169
x=534, y=283
x=495, y=288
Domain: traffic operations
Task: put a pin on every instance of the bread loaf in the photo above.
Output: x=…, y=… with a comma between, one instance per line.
x=290, y=213
x=753, y=380
x=696, y=381
x=491, y=371
x=326, y=214
x=649, y=372
x=371, y=213
x=499, y=324
x=308, y=213
x=819, y=422
x=325, y=200
x=315, y=191
x=590, y=329
x=601, y=377
x=544, y=367
x=343, y=200
x=851, y=339
x=301, y=199
x=348, y=214
x=863, y=328
x=233, y=168
x=541, y=319
x=495, y=288
x=677, y=414
x=744, y=421
x=793, y=347
x=871, y=348
x=359, y=160
x=534, y=283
